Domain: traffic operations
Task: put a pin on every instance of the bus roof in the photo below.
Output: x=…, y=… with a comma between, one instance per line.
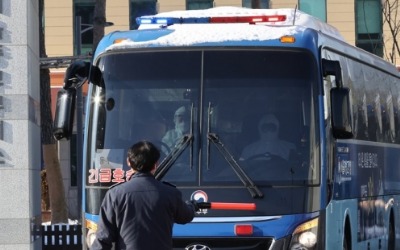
x=230, y=24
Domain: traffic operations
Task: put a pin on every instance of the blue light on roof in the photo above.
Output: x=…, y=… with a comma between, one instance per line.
x=162, y=21
x=171, y=20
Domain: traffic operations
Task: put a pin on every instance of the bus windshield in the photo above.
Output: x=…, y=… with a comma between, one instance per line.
x=217, y=116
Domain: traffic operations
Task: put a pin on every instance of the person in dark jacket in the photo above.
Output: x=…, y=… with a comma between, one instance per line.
x=139, y=214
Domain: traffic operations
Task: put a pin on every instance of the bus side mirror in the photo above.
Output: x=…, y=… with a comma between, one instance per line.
x=340, y=101
x=75, y=76
x=341, y=113
x=64, y=116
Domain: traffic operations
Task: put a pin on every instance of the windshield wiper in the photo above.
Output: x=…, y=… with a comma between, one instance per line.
x=247, y=182
x=166, y=164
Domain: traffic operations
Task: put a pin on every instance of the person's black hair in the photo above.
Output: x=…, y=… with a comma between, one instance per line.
x=142, y=156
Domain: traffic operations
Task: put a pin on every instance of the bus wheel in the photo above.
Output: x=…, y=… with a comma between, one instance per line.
x=391, y=236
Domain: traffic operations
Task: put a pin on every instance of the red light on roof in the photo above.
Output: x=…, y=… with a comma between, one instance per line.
x=243, y=229
x=248, y=19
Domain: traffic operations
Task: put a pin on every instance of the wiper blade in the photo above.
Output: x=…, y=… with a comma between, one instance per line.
x=247, y=182
x=166, y=164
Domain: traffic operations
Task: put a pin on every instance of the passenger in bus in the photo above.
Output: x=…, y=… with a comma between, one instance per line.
x=140, y=213
x=181, y=123
x=269, y=141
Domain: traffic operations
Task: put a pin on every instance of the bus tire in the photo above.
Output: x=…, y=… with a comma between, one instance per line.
x=347, y=236
x=391, y=232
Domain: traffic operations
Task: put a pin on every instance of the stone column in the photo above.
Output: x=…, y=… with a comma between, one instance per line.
x=20, y=148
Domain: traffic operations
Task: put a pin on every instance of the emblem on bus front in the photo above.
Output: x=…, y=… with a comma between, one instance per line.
x=199, y=196
x=197, y=247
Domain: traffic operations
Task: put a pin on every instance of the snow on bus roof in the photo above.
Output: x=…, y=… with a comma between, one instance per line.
x=196, y=31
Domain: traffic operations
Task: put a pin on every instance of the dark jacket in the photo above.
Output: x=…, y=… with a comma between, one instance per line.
x=139, y=215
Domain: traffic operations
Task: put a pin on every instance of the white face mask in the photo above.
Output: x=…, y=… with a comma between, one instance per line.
x=181, y=127
x=268, y=128
x=180, y=123
x=269, y=134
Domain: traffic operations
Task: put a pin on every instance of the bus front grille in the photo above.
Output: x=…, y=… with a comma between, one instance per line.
x=225, y=243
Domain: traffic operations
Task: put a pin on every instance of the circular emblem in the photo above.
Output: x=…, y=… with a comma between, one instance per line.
x=199, y=196
x=197, y=247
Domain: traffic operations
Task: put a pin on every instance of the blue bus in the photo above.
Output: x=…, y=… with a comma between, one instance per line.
x=263, y=106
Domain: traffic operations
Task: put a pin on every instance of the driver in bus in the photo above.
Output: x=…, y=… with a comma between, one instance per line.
x=172, y=137
x=269, y=141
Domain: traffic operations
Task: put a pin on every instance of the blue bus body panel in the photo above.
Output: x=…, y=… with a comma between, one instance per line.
x=365, y=169
x=364, y=174
x=323, y=152
x=275, y=226
x=92, y=217
x=306, y=38
x=271, y=226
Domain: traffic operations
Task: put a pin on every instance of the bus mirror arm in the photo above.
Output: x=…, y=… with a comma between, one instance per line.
x=79, y=72
x=330, y=68
x=76, y=74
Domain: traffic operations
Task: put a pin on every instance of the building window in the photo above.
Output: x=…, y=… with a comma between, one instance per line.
x=314, y=8
x=84, y=9
x=139, y=8
x=199, y=4
x=256, y=4
x=369, y=26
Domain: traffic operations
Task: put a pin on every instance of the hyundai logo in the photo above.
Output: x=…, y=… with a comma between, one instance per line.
x=197, y=247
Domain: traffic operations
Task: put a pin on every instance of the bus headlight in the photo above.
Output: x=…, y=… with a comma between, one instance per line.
x=91, y=233
x=90, y=237
x=304, y=236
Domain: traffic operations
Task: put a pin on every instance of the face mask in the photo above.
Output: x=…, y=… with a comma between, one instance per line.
x=268, y=129
x=180, y=124
x=181, y=127
x=269, y=136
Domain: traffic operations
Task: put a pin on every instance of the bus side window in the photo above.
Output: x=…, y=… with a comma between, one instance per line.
x=397, y=116
x=378, y=116
x=388, y=120
x=374, y=110
x=372, y=124
x=361, y=122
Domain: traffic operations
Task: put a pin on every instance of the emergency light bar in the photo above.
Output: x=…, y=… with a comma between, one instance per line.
x=248, y=19
x=285, y=21
x=237, y=15
x=222, y=19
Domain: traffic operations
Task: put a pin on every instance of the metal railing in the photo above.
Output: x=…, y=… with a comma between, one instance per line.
x=61, y=237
